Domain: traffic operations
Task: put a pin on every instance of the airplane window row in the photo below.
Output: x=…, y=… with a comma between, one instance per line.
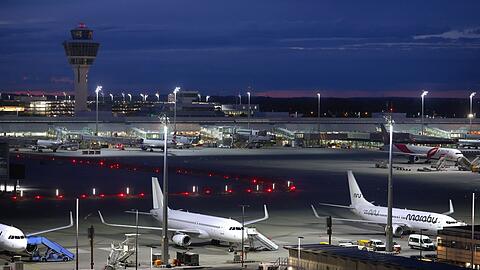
x=16, y=237
x=235, y=228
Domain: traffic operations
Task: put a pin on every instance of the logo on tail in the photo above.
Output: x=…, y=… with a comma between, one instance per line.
x=356, y=195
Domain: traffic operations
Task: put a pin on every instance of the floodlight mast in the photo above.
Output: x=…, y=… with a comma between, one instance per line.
x=424, y=93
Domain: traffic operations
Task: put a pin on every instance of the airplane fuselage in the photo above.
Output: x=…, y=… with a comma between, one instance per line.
x=210, y=227
x=12, y=239
x=412, y=219
x=426, y=152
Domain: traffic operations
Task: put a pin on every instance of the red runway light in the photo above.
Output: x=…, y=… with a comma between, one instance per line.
x=208, y=191
x=157, y=170
x=121, y=195
x=249, y=190
x=101, y=195
x=38, y=197
x=14, y=198
x=210, y=174
x=185, y=193
x=141, y=194
x=226, y=177
x=101, y=163
x=60, y=197
x=269, y=190
x=292, y=188
x=74, y=161
x=254, y=181
x=83, y=196
x=230, y=191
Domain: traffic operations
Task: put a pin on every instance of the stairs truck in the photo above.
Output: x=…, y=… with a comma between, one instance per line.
x=54, y=252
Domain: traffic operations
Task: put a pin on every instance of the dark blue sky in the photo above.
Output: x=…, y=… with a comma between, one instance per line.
x=342, y=48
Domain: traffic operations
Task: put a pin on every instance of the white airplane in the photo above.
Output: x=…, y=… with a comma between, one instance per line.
x=402, y=219
x=13, y=240
x=184, y=224
x=47, y=144
x=178, y=142
x=415, y=152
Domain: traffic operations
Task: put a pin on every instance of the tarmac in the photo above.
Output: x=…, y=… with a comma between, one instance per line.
x=319, y=175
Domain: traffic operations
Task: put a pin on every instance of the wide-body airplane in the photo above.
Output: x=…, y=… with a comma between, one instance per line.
x=417, y=152
x=403, y=220
x=13, y=240
x=184, y=224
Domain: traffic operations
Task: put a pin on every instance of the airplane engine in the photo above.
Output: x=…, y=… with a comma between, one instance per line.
x=397, y=230
x=182, y=240
x=31, y=249
x=413, y=159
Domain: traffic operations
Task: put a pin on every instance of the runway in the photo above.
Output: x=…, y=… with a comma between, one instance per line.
x=319, y=175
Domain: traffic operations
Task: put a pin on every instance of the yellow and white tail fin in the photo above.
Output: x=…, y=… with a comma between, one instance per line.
x=356, y=195
x=157, y=194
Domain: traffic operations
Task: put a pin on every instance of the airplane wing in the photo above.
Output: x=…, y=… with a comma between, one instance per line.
x=350, y=220
x=336, y=205
x=260, y=219
x=54, y=229
x=343, y=219
x=145, y=227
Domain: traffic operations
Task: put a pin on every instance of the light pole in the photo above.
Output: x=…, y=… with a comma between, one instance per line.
x=175, y=110
x=243, y=231
x=143, y=97
x=249, y=111
x=389, y=229
x=130, y=96
x=165, y=195
x=123, y=97
x=158, y=97
x=207, y=98
x=103, y=97
x=298, y=250
x=64, y=96
x=240, y=99
x=318, y=116
x=111, y=96
x=136, y=239
x=470, y=115
x=424, y=93
x=97, y=90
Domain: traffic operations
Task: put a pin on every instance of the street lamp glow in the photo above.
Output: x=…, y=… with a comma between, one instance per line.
x=158, y=96
x=123, y=96
x=424, y=93
x=111, y=96
x=249, y=113
x=473, y=94
x=207, y=98
x=130, y=96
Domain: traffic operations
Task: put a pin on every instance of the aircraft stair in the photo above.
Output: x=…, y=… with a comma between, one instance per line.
x=52, y=247
x=120, y=252
x=254, y=235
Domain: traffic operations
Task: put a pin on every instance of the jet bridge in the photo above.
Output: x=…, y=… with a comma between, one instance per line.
x=255, y=236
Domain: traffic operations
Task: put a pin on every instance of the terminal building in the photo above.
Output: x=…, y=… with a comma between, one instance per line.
x=455, y=245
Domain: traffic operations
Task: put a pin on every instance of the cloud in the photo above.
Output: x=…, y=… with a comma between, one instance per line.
x=471, y=33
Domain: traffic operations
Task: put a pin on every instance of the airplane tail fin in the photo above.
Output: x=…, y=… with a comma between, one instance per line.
x=450, y=210
x=157, y=194
x=356, y=195
x=385, y=136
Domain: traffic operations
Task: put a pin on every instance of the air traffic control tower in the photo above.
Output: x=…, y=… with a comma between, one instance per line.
x=81, y=51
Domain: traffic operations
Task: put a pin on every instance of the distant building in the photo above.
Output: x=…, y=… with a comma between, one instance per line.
x=189, y=104
x=239, y=109
x=455, y=245
x=26, y=105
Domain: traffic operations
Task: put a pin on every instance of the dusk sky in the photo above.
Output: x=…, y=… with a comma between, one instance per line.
x=221, y=47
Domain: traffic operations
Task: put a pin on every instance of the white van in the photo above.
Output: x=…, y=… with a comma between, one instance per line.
x=425, y=243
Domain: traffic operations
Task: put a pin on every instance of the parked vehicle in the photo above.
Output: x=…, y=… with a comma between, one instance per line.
x=371, y=245
x=420, y=242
